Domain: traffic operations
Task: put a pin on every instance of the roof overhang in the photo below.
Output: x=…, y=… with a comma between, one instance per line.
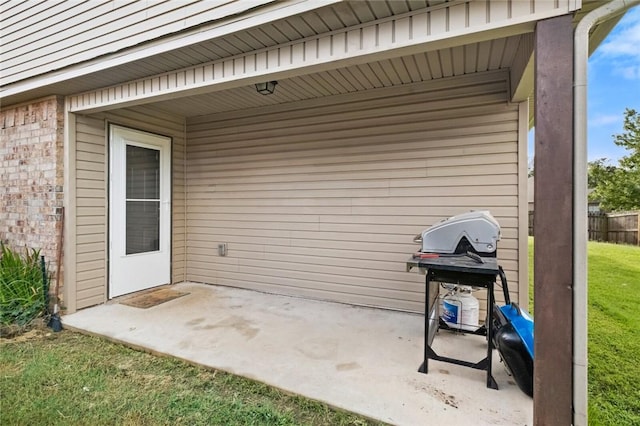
x=97, y=72
x=358, y=51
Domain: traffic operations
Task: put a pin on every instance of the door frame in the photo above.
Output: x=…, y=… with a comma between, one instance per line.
x=111, y=127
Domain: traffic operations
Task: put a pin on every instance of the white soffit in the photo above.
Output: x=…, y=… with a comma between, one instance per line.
x=421, y=67
x=419, y=32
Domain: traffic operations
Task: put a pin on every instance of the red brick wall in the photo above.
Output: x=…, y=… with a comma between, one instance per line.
x=31, y=176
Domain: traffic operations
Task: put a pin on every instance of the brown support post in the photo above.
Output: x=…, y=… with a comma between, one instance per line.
x=553, y=218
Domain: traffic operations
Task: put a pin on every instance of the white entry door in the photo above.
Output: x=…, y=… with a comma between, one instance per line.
x=139, y=210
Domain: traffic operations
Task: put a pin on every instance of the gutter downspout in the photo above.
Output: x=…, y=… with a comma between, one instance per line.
x=580, y=224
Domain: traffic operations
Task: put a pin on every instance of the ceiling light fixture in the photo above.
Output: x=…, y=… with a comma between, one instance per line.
x=266, y=88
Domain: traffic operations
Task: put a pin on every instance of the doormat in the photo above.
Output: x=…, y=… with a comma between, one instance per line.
x=153, y=298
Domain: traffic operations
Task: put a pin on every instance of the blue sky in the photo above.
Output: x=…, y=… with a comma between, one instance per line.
x=613, y=85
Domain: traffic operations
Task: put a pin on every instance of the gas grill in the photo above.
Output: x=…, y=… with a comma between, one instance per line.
x=460, y=250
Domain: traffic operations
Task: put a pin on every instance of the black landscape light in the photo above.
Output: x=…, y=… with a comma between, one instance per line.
x=266, y=88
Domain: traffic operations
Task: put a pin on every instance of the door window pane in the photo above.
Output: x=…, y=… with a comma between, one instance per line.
x=143, y=202
x=143, y=173
x=143, y=226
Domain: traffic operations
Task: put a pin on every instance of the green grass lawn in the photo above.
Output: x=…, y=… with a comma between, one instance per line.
x=68, y=378
x=614, y=332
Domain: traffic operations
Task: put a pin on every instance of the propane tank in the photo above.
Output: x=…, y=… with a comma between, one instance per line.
x=460, y=310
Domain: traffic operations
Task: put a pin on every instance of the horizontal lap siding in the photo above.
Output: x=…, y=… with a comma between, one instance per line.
x=91, y=213
x=323, y=198
x=92, y=196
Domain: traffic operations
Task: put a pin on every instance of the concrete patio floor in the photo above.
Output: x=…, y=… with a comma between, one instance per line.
x=360, y=359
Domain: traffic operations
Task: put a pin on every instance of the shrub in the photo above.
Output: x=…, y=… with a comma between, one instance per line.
x=22, y=287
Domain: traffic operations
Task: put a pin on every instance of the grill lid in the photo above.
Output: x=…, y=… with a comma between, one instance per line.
x=475, y=231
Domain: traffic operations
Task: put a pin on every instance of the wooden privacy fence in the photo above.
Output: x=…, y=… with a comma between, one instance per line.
x=619, y=228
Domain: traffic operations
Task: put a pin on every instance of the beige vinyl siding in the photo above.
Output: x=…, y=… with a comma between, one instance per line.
x=91, y=213
x=323, y=198
x=92, y=196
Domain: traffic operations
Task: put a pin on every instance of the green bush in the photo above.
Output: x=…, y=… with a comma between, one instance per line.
x=22, y=287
